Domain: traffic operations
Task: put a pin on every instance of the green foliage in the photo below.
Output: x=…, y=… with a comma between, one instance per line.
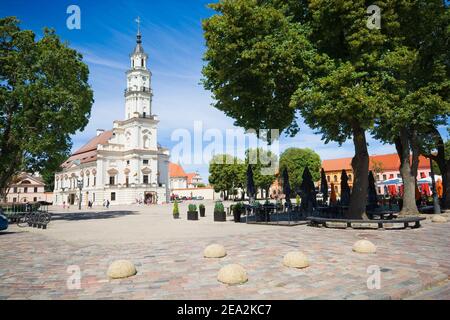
x=201, y=206
x=192, y=207
x=226, y=173
x=201, y=185
x=263, y=169
x=297, y=200
x=270, y=54
x=44, y=97
x=296, y=160
x=238, y=207
x=176, y=210
x=218, y=207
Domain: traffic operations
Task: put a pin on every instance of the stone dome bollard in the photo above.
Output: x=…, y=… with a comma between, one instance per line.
x=121, y=269
x=295, y=259
x=232, y=274
x=439, y=219
x=214, y=251
x=364, y=246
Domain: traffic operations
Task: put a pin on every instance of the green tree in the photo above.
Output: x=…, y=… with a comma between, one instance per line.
x=268, y=59
x=296, y=160
x=435, y=148
x=44, y=98
x=416, y=88
x=225, y=173
x=263, y=164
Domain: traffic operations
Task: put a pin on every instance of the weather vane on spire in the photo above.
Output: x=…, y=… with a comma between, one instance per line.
x=138, y=21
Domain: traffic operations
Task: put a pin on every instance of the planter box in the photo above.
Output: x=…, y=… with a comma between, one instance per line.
x=176, y=216
x=202, y=212
x=220, y=216
x=192, y=215
x=237, y=216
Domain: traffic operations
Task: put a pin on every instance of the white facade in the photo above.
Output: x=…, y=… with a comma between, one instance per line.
x=126, y=164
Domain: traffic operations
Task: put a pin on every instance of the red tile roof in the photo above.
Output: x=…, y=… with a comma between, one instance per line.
x=175, y=170
x=389, y=162
x=190, y=176
x=88, y=152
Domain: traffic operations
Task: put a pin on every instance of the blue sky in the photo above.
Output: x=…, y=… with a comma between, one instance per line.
x=172, y=36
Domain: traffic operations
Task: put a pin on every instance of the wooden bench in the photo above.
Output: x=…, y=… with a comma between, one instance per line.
x=317, y=222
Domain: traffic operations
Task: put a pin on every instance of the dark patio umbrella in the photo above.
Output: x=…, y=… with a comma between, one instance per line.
x=250, y=183
x=372, y=200
x=345, y=189
x=308, y=191
x=286, y=187
x=324, y=186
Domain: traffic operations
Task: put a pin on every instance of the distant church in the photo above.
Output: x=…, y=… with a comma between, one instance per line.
x=125, y=164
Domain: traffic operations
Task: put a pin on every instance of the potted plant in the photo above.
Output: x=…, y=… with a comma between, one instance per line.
x=259, y=211
x=176, y=211
x=219, y=212
x=192, y=213
x=237, y=211
x=201, y=207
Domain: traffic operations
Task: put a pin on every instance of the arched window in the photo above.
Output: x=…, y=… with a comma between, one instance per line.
x=335, y=178
x=349, y=177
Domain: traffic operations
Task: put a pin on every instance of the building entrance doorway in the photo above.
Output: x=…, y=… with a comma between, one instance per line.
x=150, y=198
x=71, y=199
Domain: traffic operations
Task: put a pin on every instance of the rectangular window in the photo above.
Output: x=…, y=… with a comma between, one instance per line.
x=113, y=196
x=35, y=189
x=399, y=175
x=384, y=177
x=14, y=199
x=145, y=161
x=35, y=199
x=93, y=197
x=127, y=181
x=25, y=190
x=95, y=180
x=145, y=179
x=111, y=181
x=15, y=190
x=128, y=162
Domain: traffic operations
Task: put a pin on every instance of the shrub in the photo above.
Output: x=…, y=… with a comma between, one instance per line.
x=218, y=207
x=297, y=200
x=201, y=206
x=192, y=207
x=175, y=208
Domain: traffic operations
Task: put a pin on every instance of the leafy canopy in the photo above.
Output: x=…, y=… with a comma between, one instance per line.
x=44, y=98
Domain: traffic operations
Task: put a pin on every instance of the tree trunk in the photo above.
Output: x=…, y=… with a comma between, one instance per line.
x=360, y=165
x=408, y=171
x=446, y=185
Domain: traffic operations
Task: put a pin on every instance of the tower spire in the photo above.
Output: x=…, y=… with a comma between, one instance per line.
x=138, y=37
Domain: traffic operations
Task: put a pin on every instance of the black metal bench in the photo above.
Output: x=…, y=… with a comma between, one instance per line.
x=383, y=215
x=317, y=222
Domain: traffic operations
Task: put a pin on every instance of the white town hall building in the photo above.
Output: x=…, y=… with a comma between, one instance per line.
x=125, y=164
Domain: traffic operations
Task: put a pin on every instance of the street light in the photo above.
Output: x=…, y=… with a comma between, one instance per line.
x=436, y=206
x=80, y=187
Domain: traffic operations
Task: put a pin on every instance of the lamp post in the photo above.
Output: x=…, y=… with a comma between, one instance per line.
x=436, y=206
x=80, y=187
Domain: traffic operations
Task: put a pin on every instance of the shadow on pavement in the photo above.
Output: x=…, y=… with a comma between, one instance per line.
x=5, y=233
x=76, y=216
